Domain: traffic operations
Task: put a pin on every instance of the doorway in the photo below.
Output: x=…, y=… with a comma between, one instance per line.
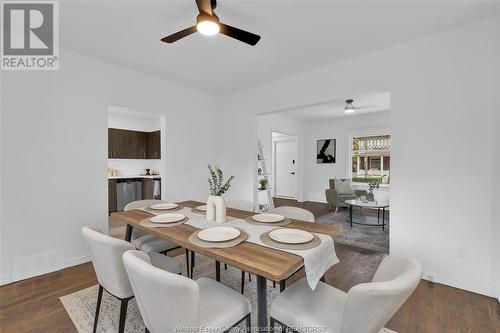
x=285, y=153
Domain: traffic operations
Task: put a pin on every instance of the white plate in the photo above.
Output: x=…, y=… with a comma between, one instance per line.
x=168, y=218
x=218, y=234
x=291, y=236
x=164, y=206
x=202, y=208
x=268, y=218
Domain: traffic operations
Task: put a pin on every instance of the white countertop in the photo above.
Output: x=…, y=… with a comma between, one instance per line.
x=135, y=176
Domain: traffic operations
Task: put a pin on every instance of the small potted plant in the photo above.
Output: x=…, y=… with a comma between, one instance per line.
x=263, y=183
x=216, y=207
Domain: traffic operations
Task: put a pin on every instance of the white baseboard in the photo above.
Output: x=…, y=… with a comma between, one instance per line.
x=6, y=279
x=460, y=284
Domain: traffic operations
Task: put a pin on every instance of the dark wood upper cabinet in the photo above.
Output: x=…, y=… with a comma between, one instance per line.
x=154, y=145
x=133, y=144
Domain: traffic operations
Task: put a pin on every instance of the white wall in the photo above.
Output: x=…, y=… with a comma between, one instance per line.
x=495, y=221
x=443, y=105
x=340, y=129
x=134, y=120
x=54, y=153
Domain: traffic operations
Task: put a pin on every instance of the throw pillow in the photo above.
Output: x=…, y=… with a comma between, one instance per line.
x=343, y=187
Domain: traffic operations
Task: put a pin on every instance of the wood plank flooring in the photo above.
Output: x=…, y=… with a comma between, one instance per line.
x=33, y=305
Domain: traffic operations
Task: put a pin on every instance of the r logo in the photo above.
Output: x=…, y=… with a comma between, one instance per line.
x=28, y=29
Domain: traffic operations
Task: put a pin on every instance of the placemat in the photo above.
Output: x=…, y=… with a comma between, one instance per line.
x=147, y=223
x=161, y=211
x=218, y=245
x=286, y=221
x=315, y=242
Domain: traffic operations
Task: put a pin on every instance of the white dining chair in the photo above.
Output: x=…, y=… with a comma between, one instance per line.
x=173, y=303
x=294, y=213
x=240, y=205
x=366, y=308
x=144, y=241
x=106, y=252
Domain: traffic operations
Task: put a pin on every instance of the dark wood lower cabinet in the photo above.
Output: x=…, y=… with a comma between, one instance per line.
x=112, y=196
x=147, y=188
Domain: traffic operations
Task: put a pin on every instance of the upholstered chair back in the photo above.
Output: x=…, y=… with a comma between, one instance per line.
x=106, y=252
x=167, y=302
x=295, y=213
x=370, y=306
x=240, y=205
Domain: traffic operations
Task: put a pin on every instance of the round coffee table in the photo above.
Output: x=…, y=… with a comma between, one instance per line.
x=372, y=205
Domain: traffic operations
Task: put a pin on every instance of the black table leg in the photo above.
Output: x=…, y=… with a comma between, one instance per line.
x=383, y=218
x=128, y=233
x=187, y=264
x=350, y=214
x=217, y=271
x=378, y=215
x=262, y=304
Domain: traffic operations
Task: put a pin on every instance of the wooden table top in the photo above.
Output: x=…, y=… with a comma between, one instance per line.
x=274, y=265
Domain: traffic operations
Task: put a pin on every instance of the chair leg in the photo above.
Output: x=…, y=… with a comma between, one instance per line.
x=249, y=277
x=225, y=267
x=97, y=307
x=282, y=285
x=274, y=284
x=187, y=264
x=242, y=282
x=123, y=315
x=217, y=271
x=249, y=323
x=146, y=330
x=336, y=210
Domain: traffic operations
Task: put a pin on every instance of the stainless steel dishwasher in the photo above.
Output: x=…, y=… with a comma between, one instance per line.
x=127, y=190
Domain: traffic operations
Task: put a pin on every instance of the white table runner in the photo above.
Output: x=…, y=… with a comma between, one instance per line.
x=317, y=261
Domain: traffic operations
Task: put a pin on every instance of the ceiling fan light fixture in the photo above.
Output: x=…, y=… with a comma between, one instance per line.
x=349, y=108
x=208, y=25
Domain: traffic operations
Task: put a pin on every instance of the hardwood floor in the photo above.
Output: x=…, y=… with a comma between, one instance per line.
x=33, y=305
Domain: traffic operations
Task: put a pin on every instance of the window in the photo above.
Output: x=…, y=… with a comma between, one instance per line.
x=371, y=158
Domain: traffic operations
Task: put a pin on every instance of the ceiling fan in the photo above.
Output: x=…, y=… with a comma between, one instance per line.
x=207, y=23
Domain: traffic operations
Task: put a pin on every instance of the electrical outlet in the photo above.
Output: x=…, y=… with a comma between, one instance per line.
x=462, y=252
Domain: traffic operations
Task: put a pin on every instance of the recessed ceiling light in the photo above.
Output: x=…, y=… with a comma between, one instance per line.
x=349, y=108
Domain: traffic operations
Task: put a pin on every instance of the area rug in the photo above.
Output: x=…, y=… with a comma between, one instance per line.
x=366, y=237
x=81, y=304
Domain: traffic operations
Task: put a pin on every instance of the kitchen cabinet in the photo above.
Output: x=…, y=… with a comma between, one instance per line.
x=112, y=204
x=154, y=145
x=129, y=144
x=138, y=145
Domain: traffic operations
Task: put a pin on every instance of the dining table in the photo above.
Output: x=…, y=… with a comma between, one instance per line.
x=267, y=264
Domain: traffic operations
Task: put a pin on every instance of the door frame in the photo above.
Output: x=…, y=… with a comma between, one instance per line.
x=290, y=137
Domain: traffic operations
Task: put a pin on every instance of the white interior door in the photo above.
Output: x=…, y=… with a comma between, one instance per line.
x=285, y=155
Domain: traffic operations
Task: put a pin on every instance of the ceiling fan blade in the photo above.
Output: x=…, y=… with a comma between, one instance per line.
x=178, y=35
x=241, y=35
x=204, y=6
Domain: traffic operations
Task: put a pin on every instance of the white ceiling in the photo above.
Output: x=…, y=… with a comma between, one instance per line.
x=296, y=35
x=369, y=103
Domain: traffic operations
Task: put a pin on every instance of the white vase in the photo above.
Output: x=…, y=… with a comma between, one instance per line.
x=216, y=208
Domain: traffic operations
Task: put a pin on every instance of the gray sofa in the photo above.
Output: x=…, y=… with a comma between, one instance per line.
x=337, y=200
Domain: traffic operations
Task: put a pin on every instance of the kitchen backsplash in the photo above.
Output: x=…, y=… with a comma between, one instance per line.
x=133, y=167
